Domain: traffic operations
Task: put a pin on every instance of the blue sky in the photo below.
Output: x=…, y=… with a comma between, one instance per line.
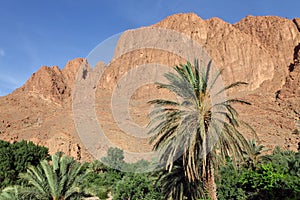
x=34, y=33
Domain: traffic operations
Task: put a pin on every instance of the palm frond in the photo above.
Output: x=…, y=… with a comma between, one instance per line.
x=59, y=179
x=231, y=86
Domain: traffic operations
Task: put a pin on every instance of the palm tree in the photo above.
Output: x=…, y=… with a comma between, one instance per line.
x=175, y=185
x=97, y=167
x=200, y=126
x=255, y=154
x=56, y=180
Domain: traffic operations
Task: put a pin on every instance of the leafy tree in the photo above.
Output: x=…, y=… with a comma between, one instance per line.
x=7, y=172
x=27, y=153
x=228, y=183
x=136, y=186
x=101, y=179
x=114, y=158
x=97, y=185
x=59, y=179
x=262, y=182
x=16, y=157
x=138, y=167
x=202, y=130
x=284, y=163
x=277, y=177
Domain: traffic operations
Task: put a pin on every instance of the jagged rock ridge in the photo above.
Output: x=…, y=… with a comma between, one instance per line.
x=263, y=51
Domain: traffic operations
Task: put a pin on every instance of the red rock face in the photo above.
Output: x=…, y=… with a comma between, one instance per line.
x=263, y=51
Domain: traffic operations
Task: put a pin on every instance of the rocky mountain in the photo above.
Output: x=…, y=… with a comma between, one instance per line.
x=263, y=51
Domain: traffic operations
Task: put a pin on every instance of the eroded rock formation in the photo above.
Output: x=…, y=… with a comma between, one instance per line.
x=263, y=51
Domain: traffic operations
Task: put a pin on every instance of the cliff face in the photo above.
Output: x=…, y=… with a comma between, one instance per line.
x=256, y=49
x=263, y=51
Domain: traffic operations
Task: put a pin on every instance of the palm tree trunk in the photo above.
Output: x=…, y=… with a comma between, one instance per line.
x=210, y=185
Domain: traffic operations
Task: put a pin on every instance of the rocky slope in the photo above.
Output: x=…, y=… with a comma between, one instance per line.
x=263, y=51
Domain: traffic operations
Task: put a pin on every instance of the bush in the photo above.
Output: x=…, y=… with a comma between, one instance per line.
x=278, y=177
x=136, y=187
x=114, y=158
x=102, y=180
x=228, y=184
x=16, y=157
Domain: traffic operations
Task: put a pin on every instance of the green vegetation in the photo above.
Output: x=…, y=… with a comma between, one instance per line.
x=175, y=184
x=59, y=178
x=16, y=157
x=114, y=158
x=276, y=176
x=137, y=186
x=126, y=184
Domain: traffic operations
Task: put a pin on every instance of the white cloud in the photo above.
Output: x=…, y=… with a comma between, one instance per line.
x=2, y=52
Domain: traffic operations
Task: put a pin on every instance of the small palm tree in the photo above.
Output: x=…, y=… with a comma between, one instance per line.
x=97, y=167
x=255, y=154
x=56, y=180
x=204, y=131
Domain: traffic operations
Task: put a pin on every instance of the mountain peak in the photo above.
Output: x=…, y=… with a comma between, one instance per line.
x=263, y=51
x=71, y=69
x=52, y=83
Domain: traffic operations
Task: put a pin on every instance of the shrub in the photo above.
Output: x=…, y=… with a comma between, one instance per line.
x=16, y=157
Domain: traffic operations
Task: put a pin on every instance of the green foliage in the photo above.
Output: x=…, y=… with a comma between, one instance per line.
x=175, y=185
x=134, y=186
x=254, y=156
x=124, y=184
x=114, y=158
x=96, y=167
x=277, y=177
x=101, y=180
x=59, y=179
x=265, y=177
x=97, y=184
x=228, y=183
x=17, y=193
x=16, y=157
x=139, y=166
